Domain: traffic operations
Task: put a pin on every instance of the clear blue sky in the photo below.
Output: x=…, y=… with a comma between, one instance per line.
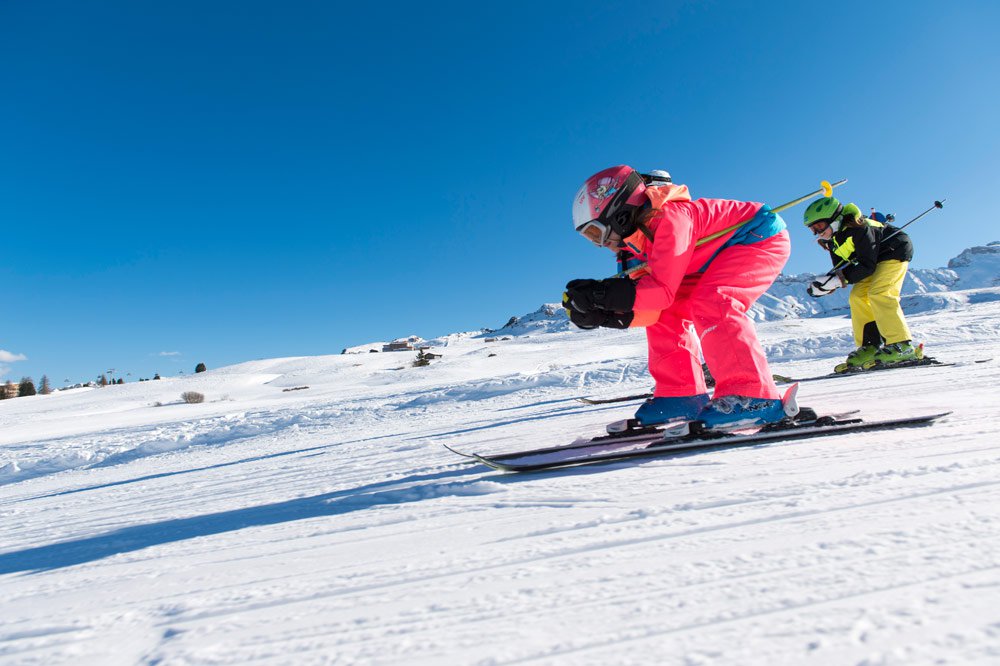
x=186, y=182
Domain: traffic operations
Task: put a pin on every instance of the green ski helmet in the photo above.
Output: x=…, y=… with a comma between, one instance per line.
x=824, y=209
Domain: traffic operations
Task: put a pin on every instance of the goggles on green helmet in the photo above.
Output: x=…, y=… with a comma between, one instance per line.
x=817, y=229
x=828, y=223
x=822, y=214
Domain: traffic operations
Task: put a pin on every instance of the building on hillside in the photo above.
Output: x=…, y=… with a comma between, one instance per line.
x=9, y=390
x=399, y=345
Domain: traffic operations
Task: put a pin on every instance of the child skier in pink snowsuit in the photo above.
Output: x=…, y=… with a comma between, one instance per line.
x=705, y=263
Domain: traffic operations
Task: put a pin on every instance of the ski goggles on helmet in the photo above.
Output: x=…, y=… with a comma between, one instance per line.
x=596, y=232
x=832, y=223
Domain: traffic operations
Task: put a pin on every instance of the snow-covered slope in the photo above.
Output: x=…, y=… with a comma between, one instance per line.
x=307, y=512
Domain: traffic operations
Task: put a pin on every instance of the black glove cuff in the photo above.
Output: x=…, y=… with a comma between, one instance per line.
x=619, y=320
x=588, y=320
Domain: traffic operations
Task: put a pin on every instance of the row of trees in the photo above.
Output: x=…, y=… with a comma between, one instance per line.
x=26, y=386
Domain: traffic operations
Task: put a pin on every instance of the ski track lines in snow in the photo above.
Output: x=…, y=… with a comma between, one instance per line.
x=334, y=528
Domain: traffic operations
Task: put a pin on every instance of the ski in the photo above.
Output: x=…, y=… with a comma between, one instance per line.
x=612, y=448
x=926, y=362
x=624, y=398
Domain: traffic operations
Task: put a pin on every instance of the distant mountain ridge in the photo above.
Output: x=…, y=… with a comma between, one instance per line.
x=976, y=268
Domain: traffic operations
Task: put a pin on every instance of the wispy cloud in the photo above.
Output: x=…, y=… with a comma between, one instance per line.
x=169, y=354
x=10, y=357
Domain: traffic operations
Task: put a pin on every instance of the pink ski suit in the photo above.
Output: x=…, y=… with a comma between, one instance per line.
x=711, y=285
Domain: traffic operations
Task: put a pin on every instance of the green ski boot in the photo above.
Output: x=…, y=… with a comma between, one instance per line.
x=898, y=352
x=861, y=358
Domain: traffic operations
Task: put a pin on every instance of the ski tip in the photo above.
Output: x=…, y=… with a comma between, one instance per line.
x=487, y=462
x=459, y=453
x=503, y=467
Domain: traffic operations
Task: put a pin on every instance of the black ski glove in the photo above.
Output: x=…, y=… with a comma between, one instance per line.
x=611, y=295
x=595, y=318
x=586, y=320
x=618, y=319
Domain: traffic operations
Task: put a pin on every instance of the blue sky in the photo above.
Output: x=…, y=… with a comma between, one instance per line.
x=216, y=182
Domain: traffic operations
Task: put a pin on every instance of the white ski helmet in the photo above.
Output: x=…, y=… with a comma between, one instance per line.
x=657, y=177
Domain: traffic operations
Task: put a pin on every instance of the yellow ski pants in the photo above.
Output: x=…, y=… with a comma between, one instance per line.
x=876, y=298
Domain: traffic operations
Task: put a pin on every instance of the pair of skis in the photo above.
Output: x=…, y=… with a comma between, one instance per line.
x=691, y=436
x=687, y=437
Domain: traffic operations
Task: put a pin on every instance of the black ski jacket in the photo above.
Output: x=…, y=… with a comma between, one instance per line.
x=862, y=248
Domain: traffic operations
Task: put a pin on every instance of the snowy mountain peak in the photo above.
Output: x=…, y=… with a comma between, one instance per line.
x=973, y=254
x=977, y=267
x=550, y=317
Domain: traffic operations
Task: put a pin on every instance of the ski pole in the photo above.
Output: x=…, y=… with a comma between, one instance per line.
x=937, y=204
x=825, y=188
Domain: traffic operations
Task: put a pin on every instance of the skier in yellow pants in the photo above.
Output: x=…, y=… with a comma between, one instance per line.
x=876, y=299
x=874, y=257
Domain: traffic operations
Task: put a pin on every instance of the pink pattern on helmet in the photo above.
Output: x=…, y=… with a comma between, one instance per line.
x=599, y=190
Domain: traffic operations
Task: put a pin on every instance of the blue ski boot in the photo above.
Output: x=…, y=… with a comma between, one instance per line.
x=661, y=410
x=731, y=412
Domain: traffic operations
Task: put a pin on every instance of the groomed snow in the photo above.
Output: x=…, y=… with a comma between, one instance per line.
x=328, y=524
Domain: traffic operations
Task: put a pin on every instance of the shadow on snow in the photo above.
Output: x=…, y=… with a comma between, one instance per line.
x=138, y=537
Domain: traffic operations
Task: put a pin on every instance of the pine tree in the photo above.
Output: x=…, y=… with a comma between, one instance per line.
x=45, y=388
x=26, y=388
x=103, y=380
x=200, y=368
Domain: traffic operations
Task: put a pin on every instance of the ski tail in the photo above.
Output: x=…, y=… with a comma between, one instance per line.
x=789, y=402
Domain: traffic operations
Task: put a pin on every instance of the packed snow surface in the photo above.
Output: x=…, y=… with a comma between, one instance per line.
x=308, y=513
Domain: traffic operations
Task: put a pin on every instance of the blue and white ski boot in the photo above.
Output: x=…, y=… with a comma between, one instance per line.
x=732, y=412
x=657, y=411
